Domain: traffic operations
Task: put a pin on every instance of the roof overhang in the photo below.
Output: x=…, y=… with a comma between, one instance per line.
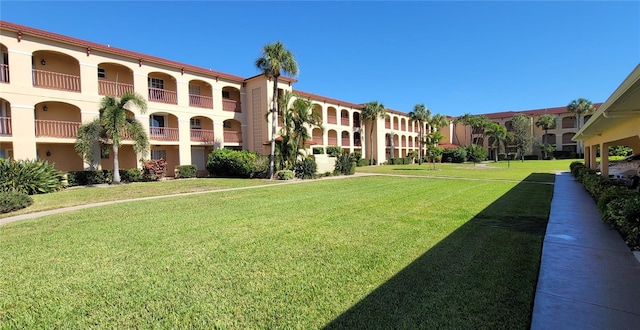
x=622, y=105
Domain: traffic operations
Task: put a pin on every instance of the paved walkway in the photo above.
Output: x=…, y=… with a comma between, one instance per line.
x=589, y=279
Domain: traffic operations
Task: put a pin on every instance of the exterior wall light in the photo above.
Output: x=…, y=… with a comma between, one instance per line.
x=43, y=62
x=48, y=153
x=45, y=108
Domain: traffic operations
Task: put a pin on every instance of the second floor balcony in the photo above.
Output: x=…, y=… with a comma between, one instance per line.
x=202, y=135
x=56, y=128
x=163, y=134
x=162, y=96
x=231, y=105
x=55, y=80
x=232, y=137
x=4, y=73
x=200, y=101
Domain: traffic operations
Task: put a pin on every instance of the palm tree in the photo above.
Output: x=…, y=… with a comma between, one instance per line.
x=111, y=127
x=438, y=121
x=296, y=120
x=275, y=60
x=466, y=118
x=432, y=139
x=546, y=122
x=371, y=112
x=580, y=107
x=497, y=135
x=422, y=115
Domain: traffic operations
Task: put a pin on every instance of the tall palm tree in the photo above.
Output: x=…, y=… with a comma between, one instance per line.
x=581, y=107
x=111, y=127
x=371, y=112
x=546, y=122
x=422, y=115
x=497, y=135
x=275, y=60
x=297, y=118
x=465, y=119
x=438, y=121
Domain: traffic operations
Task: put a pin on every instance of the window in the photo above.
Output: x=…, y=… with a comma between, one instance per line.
x=156, y=83
x=157, y=125
x=104, y=154
x=225, y=95
x=194, y=90
x=195, y=123
x=102, y=73
x=157, y=154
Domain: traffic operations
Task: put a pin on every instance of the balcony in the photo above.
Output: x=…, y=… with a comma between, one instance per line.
x=200, y=101
x=317, y=140
x=113, y=88
x=202, y=135
x=232, y=136
x=55, y=80
x=357, y=143
x=333, y=141
x=356, y=123
x=163, y=134
x=231, y=105
x=332, y=119
x=162, y=96
x=346, y=142
x=4, y=73
x=344, y=121
x=56, y=129
x=5, y=126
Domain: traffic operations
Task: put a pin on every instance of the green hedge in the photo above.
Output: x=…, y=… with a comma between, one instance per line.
x=318, y=150
x=285, y=175
x=334, y=151
x=87, y=178
x=306, y=169
x=237, y=164
x=531, y=157
x=13, y=200
x=186, y=171
x=620, y=206
x=363, y=162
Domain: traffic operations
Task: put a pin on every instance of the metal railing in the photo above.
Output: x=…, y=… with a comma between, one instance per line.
x=55, y=80
x=201, y=135
x=56, y=128
x=113, y=88
x=162, y=96
x=200, y=101
x=332, y=119
x=344, y=121
x=5, y=126
x=4, y=73
x=231, y=105
x=163, y=134
x=233, y=136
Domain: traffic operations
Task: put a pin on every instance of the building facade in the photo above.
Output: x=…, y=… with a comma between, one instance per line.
x=50, y=84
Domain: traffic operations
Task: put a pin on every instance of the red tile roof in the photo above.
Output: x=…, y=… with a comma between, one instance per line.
x=534, y=112
x=327, y=99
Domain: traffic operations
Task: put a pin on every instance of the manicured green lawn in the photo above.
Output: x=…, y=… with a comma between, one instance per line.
x=513, y=170
x=363, y=252
x=85, y=195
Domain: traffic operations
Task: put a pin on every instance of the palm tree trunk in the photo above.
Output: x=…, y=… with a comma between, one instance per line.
x=420, y=144
x=545, y=143
x=116, y=166
x=371, y=144
x=272, y=156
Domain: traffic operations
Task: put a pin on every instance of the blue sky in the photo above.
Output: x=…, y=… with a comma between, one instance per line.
x=455, y=57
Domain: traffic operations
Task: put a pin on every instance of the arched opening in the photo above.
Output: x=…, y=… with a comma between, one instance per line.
x=316, y=136
x=5, y=118
x=53, y=70
x=387, y=122
x=57, y=119
x=357, y=140
x=332, y=136
x=114, y=79
x=162, y=88
x=231, y=99
x=346, y=140
x=356, y=119
x=569, y=122
x=344, y=118
x=395, y=123
x=200, y=94
x=232, y=132
x=403, y=124
x=163, y=127
x=332, y=116
x=4, y=64
x=201, y=129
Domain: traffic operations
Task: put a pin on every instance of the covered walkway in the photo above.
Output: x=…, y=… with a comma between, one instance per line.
x=589, y=279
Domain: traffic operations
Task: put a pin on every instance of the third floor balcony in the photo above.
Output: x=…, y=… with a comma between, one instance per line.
x=54, y=70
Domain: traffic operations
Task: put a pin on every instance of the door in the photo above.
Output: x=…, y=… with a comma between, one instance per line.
x=197, y=157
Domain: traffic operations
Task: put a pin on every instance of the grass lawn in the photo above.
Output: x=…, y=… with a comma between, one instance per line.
x=361, y=252
x=85, y=195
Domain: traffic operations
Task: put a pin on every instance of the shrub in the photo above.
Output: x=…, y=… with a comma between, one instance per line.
x=459, y=155
x=131, y=175
x=502, y=156
x=153, y=169
x=356, y=156
x=344, y=165
x=531, y=157
x=237, y=164
x=363, y=162
x=334, y=151
x=13, y=200
x=305, y=169
x=29, y=176
x=318, y=150
x=84, y=178
x=476, y=153
x=186, y=171
x=284, y=175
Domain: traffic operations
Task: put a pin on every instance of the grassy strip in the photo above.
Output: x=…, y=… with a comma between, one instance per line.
x=381, y=251
x=513, y=170
x=85, y=195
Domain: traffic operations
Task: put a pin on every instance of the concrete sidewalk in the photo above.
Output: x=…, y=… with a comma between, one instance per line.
x=589, y=279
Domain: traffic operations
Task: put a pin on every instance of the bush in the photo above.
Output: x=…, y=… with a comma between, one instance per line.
x=84, y=178
x=29, y=176
x=531, y=157
x=334, y=151
x=186, y=171
x=237, y=164
x=13, y=200
x=305, y=169
x=476, y=153
x=284, y=175
x=344, y=165
x=318, y=150
x=363, y=162
x=459, y=155
x=153, y=169
x=502, y=156
x=131, y=175
x=356, y=156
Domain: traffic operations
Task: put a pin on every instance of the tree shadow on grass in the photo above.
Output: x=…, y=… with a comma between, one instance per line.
x=481, y=276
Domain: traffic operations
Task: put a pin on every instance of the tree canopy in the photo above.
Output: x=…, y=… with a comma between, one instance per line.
x=371, y=112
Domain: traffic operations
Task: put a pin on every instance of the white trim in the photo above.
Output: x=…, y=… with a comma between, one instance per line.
x=19, y=106
x=19, y=52
x=89, y=112
x=89, y=65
